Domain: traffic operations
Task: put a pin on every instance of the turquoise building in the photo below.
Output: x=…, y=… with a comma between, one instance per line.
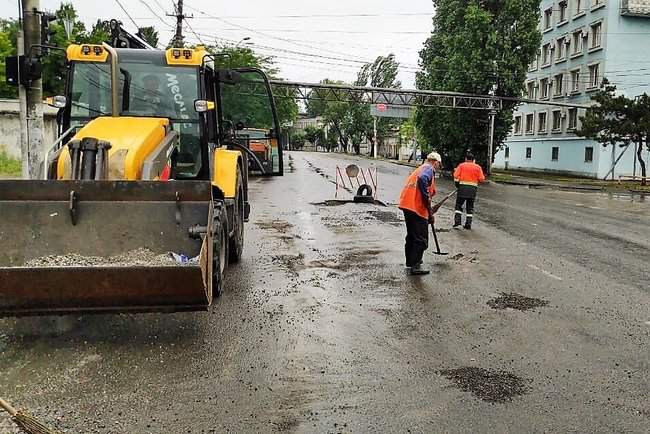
x=583, y=41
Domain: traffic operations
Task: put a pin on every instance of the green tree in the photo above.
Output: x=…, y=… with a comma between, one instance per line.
x=619, y=121
x=54, y=63
x=149, y=34
x=8, y=32
x=380, y=73
x=476, y=45
x=228, y=57
x=315, y=136
x=298, y=140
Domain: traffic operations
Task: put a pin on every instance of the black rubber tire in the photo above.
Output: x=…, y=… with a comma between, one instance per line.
x=364, y=190
x=236, y=247
x=220, y=249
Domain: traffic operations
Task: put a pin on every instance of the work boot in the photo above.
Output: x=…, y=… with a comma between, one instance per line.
x=457, y=217
x=417, y=270
x=468, y=223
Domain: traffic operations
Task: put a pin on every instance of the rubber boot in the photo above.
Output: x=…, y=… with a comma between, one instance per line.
x=468, y=223
x=417, y=270
x=457, y=218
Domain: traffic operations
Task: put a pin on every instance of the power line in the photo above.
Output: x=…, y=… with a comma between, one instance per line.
x=389, y=14
x=127, y=14
x=265, y=34
x=192, y=30
x=155, y=13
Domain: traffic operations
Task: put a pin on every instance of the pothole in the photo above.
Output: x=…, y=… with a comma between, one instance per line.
x=330, y=203
x=516, y=301
x=487, y=385
x=386, y=217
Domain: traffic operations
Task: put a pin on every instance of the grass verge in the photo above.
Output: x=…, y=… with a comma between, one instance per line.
x=9, y=167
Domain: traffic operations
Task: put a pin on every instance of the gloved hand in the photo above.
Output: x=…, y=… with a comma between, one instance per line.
x=432, y=218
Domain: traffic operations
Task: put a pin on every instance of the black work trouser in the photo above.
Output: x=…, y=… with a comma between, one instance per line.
x=468, y=204
x=417, y=238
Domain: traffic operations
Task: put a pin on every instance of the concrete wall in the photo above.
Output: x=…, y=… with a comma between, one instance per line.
x=10, y=127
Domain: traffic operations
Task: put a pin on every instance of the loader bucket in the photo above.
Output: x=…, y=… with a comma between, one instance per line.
x=78, y=247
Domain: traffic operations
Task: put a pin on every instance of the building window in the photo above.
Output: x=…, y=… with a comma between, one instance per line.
x=573, y=119
x=530, y=124
x=530, y=90
x=544, y=84
x=557, y=120
x=563, y=6
x=546, y=54
x=559, y=85
x=560, y=49
x=577, y=43
x=597, y=3
x=589, y=154
x=541, y=122
x=580, y=7
x=575, y=80
x=548, y=18
x=517, y=125
x=555, y=153
x=596, y=35
x=529, y=153
x=594, y=80
x=507, y=152
x=533, y=65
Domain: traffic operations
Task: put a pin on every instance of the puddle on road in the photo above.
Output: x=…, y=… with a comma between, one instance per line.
x=489, y=386
x=516, y=301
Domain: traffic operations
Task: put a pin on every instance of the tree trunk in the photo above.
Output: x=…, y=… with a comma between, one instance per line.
x=639, y=156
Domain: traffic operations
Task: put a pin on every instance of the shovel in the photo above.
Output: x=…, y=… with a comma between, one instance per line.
x=435, y=237
x=433, y=228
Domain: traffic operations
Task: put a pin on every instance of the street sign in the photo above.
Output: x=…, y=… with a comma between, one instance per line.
x=390, y=111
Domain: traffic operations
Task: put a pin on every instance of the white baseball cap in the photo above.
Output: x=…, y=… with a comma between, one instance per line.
x=434, y=156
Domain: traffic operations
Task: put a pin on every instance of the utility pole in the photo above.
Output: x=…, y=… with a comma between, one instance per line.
x=493, y=115
x=31, y=95
x=178, y=41
x=374, y=131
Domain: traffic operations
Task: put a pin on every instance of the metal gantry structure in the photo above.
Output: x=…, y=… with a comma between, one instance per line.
x=411, y=98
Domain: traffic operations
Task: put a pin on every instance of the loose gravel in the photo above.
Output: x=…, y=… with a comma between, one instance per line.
x=489, y=386
x=133, y=258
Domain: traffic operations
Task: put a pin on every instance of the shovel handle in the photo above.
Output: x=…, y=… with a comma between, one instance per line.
x=8, y=408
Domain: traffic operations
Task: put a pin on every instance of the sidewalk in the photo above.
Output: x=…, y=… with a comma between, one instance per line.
x=541, y=180
x=544, y=180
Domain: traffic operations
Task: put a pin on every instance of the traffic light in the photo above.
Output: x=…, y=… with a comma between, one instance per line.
x=46, y=32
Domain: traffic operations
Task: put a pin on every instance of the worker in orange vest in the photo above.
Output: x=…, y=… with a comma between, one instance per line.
x=467, y=176
x=415, y=202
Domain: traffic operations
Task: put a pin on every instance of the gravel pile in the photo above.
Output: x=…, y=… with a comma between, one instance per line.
x=133, y=258
x=516, y=301
x=490, y=386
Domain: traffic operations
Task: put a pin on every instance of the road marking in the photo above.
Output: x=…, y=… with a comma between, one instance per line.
x=549, y=274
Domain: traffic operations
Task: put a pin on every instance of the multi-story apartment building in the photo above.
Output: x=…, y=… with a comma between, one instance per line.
x=583, y=41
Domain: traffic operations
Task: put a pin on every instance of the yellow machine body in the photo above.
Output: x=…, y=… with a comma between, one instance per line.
x=132, y=141
x=225, y=174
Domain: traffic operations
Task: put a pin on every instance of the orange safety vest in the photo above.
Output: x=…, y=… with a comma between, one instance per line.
x=469, y=173
x=411, y=198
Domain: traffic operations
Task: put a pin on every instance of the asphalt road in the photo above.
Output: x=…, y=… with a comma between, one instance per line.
x=321, y=329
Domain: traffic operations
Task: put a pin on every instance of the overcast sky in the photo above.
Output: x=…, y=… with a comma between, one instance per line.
x=310, y=39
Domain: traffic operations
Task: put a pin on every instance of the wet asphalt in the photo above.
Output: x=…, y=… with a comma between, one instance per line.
x=537, y=321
